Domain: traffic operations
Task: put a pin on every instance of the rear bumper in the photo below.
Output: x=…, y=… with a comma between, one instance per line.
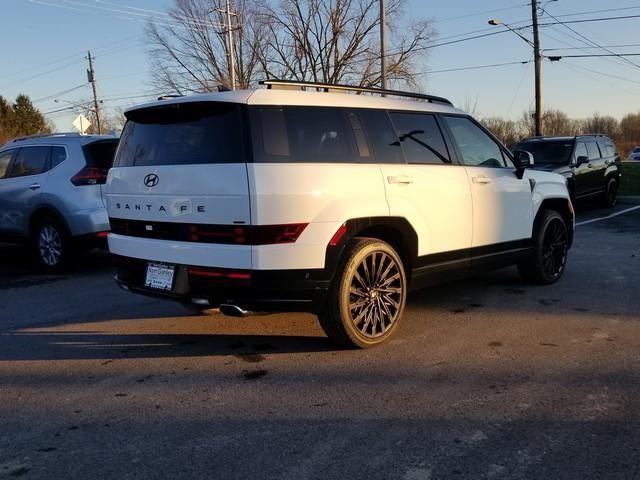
x=86, y=222
x=265, y=290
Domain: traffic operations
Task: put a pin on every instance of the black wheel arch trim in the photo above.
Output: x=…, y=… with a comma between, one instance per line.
x=397, y=231
x=563, y=207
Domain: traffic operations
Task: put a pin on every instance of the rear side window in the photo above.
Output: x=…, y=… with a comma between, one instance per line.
x=319, y=135
x=5, y=159
x=100, y=154
x=182, y=134
x=30, y=161
x=323, y=135
x=594, y=152
x=477, y=148
x=421, y=138
x=606, y=148
x=58, y=155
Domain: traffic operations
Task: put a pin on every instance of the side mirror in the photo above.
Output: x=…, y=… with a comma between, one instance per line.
x=581, y=160
x=522, y=160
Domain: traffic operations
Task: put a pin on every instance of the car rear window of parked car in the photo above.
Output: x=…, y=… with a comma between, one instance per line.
x=182, y=134
x=30, y=161
x=476, y=147
x=100, y=154
x=421, y=138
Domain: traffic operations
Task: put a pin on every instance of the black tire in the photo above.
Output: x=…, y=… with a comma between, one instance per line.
x=550, y=247
x=50, y=244
x=610, y=196
x=367, y=298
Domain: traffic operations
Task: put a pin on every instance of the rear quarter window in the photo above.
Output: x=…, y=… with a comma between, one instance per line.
x=189, y=133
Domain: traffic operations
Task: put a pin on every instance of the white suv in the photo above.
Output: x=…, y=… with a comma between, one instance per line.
x=333, y=203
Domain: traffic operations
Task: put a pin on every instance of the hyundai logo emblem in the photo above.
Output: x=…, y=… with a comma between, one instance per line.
x=151, y=180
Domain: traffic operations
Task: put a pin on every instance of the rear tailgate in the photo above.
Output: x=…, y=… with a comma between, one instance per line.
x=178, y=167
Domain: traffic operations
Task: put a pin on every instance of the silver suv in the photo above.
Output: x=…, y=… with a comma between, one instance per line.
x=51, y=194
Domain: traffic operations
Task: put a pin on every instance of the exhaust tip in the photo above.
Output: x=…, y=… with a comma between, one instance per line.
x=233, y=310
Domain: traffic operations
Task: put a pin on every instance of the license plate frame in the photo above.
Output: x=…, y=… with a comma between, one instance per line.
x=160, y=276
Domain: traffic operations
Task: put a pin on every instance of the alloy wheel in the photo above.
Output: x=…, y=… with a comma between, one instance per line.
x=50, y=245
x=375, y=294
x=554, y=248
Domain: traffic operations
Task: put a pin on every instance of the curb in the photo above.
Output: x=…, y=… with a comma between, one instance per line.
x=629, y=199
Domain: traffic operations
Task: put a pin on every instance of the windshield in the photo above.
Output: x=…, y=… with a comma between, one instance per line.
x=182, y=134
x=548, y=152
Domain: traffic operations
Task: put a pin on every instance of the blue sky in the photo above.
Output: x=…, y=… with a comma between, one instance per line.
x=43, y=50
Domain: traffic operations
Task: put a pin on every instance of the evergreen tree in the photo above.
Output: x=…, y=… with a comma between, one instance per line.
x=27, y=119
x=6, y=120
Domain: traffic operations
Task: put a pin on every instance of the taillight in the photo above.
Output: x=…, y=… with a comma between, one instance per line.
x=241, y=276
x=247, y=235
x=274, y=234
x=90, y=176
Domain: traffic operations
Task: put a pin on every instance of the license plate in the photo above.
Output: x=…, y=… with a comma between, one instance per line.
x=159, y=276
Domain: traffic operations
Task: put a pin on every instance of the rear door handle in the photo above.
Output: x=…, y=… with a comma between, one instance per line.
x=482, y=180
x=34, y=186
x=401, y=179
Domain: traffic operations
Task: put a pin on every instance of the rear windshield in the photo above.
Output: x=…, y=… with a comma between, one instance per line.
x=100, y=154
x=548, y=152
x=182, y=134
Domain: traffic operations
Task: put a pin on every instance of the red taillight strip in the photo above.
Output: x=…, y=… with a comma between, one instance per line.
x=204, y=233
x=217, y=273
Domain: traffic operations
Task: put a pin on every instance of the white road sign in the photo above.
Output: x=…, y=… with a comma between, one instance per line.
x=81, y=123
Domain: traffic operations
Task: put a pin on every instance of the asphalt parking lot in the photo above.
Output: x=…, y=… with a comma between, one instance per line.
x=487, y=378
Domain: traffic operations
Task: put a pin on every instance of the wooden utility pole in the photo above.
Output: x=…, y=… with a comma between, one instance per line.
x=232, y=60
x=538, y=67
x=92, y=79
x=383, y=47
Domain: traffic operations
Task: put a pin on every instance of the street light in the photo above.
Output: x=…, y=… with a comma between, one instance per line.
x=496, y=22
x=537, y=57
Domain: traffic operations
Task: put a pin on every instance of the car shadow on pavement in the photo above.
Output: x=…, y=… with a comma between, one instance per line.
x=15, y=262
x=167, y=337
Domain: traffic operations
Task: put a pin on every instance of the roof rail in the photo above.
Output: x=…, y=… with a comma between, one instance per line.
x=327, y=87
x=169, y=97
x=45, y=135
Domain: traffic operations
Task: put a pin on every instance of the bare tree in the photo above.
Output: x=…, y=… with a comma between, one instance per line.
x=331, y=41
x=190, y=51
x=508, y=131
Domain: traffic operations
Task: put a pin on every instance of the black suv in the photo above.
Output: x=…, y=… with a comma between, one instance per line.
x=590, y=163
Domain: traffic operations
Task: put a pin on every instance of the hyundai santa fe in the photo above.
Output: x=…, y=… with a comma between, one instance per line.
x=325, y=201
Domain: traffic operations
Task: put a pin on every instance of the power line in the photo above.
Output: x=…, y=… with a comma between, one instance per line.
x=587, y=48
x=475, y=67
x=564, y=24
x=53, y=95
x=587, y=20
x=481, y=13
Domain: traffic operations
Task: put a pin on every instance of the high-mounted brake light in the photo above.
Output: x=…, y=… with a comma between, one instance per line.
x=90, y=176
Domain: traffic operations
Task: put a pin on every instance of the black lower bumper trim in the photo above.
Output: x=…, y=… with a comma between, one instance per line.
x=267, y=291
